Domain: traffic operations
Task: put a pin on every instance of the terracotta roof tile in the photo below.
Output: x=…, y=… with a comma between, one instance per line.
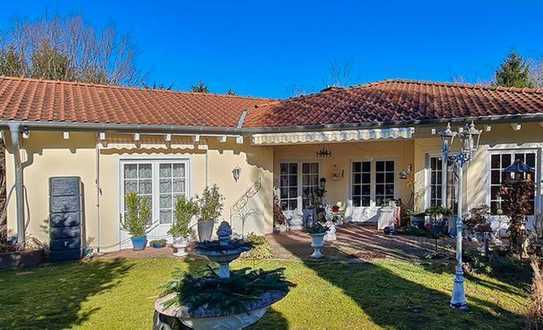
x=396, y=101
x=24, y=99
x=377, y=103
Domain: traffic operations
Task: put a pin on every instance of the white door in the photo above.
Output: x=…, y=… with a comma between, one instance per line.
x=297, y=181
x=372, y=187
x=161, y=182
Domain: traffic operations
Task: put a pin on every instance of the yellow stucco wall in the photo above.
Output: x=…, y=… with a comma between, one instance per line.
x=51, y=155
x=342, y=156
x=47, y=154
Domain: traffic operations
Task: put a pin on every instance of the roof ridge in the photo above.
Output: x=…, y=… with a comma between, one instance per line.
x=452, y=84
x=79, y=83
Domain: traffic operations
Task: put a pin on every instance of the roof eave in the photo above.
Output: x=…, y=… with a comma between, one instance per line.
x=56, y=125
x=536, y=117
x=52, y=125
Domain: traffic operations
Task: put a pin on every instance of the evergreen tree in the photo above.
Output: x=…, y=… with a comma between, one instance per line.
x=12, y=63
x=514, y=72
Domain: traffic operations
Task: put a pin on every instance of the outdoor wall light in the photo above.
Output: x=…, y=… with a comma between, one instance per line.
x=404, y=174
x=26, y=132
x=236, y=172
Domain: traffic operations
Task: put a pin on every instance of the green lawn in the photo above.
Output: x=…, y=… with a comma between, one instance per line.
x=385, y=294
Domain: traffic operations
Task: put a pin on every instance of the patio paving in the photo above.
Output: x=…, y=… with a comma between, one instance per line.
x=354, y=242
x=357, y=241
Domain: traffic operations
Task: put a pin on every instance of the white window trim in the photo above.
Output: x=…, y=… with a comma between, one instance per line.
x=428, y=179
x=155, y=162
x=510, y=149
x=300, y=162
x=373, y=183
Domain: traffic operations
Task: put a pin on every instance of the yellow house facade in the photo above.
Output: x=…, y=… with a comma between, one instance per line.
x=367, y=143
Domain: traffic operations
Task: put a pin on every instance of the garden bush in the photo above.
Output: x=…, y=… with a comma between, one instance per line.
x=261, y=247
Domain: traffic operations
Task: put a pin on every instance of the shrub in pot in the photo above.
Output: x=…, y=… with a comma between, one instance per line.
x=137, y=220
x=185, y=209
x=210, y=206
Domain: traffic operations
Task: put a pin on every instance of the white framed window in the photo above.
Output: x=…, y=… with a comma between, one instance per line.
x=373, y=183
x=288, y=186
x=138, y=178
x=499, y=160
x=161, y=181
x=310, y=182
x=297, y=181
x=435, y=171
x=172, y=179
x=361, y=183
x=384, y=182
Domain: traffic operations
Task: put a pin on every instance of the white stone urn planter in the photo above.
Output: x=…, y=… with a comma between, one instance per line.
x=180, y=245
x=317, y=243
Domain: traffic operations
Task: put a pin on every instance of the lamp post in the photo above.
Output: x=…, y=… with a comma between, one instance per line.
x=469, y=137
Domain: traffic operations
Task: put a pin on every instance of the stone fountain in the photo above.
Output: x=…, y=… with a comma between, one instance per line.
x=223, y=251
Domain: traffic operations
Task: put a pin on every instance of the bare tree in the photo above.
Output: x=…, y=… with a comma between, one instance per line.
x=339, y=74
x=68, y=49
x=536, y=72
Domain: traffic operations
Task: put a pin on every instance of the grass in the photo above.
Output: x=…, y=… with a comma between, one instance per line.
x=387, y=294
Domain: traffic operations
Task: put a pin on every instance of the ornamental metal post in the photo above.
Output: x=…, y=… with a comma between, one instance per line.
x=470, y=143
x=458, y=299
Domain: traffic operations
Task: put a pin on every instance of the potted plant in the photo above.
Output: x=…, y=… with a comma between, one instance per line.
x=158, y=243
x=417, y=219
x=210, y=205
x=439, y=216
x=137, y=219
x=185, y=209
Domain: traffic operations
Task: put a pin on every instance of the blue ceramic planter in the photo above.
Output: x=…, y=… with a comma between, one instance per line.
x=139, y=242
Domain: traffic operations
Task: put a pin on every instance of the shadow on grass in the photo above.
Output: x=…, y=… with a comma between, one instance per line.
x=394, y=301
x=57, y=293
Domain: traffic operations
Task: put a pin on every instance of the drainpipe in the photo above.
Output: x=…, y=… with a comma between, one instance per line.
x=15, y=144
x=98, y=193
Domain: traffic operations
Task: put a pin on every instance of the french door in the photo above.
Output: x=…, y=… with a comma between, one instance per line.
x=160, y=182
x=373, y=185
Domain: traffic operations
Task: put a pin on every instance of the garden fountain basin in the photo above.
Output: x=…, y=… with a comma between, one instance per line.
x=204, y=318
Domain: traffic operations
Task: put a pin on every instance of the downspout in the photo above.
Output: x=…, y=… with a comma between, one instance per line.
x=19, y=197
x=98, y=193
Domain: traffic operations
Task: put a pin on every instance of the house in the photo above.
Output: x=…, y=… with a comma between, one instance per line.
x=372, y=143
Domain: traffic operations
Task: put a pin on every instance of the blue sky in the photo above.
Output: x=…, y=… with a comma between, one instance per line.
x=279, y=48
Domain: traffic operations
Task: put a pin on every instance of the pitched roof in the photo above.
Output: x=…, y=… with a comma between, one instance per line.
x=387, y=102
x=23, y=99
x=396, y=101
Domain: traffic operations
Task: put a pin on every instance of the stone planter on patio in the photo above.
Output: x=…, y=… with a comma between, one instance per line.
x=317, y=243
x=180, y=244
